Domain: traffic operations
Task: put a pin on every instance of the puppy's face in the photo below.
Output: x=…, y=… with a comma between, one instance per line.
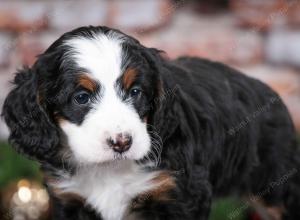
x=105, y=116
x=97, y=87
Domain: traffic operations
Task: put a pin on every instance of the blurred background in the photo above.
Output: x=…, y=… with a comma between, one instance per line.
x=261, y=38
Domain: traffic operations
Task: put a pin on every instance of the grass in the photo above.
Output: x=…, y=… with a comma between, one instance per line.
x=226, y=208
x=14, y=167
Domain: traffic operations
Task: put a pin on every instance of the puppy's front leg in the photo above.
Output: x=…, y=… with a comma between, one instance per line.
x=190, y=200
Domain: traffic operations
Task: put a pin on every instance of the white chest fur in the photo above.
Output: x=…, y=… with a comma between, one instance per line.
x=109, y=189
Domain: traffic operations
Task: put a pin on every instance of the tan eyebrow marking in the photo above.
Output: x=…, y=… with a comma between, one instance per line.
x=129, y=77
x=87, y=83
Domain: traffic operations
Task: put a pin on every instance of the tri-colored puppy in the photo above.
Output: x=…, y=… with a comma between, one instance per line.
x=122, y=133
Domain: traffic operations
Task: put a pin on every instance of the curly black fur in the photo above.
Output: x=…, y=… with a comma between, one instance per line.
x=222, y=132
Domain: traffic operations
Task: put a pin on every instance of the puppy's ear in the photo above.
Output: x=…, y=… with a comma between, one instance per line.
x=164, y=116
x=31, y=130
x=154, y=61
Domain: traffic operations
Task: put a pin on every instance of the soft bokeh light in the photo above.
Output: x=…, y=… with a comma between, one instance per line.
x=24, y=194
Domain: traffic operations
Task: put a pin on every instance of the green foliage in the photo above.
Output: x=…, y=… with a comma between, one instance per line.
x=228, y=209
x=14, y=167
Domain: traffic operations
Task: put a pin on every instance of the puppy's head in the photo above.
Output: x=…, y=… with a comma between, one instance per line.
x=90, y=94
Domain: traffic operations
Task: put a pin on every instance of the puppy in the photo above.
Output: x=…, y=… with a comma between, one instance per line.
x=123, y=133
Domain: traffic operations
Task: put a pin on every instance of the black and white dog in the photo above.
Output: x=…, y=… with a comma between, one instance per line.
x=123, y=133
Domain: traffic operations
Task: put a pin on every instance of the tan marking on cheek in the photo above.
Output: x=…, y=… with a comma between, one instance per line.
x=87, y=83
x=58, y=118
x=129, y=77
x=164, y=184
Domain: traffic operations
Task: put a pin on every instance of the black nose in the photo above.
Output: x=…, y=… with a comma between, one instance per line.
x=121, y=143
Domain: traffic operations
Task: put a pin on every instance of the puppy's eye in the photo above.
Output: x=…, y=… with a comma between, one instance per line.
x=135, y=92
x=82, y=98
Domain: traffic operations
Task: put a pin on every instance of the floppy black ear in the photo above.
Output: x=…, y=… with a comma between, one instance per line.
x=164, y=115
x=31, y=130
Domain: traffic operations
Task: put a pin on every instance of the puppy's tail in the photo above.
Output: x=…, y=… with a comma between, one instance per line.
x=292, y=196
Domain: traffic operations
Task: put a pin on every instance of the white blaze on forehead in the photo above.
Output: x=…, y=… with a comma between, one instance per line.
x=100, y=55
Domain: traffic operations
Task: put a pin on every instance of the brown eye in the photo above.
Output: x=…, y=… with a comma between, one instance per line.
x=135, y=92
x=82, y=98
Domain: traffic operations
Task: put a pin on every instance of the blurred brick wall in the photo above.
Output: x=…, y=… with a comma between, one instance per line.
x=262, y=38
